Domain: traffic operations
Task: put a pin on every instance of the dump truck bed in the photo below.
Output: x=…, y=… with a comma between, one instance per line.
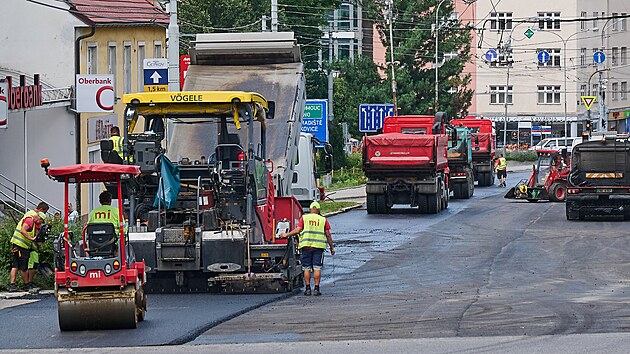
x=396, y=151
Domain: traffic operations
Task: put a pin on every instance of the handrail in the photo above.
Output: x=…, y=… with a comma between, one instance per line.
x=14, y=201
x=15, y=188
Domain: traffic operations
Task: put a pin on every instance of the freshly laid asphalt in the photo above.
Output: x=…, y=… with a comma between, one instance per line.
x=514, y=271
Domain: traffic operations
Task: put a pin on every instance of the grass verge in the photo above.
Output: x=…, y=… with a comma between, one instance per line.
x=331, y=207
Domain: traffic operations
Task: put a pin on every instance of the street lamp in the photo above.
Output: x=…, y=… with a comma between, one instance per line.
x=390, y=11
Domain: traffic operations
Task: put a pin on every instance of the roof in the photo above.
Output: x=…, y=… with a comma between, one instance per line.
x=111, y=12
x=95, y=172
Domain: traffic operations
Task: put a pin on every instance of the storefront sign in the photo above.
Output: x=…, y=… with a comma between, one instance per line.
x=4, y=106
x=537, y=119
x=95, y=93
x=23, y=96
x=99, y=127
x=184, y=63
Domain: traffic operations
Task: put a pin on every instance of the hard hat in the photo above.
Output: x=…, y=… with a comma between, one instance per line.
x=41, y=215
x=315, y=205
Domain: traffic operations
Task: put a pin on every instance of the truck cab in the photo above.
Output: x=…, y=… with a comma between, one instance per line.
x=483, y=148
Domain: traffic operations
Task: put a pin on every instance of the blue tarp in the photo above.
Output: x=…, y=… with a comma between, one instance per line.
x=168, y=188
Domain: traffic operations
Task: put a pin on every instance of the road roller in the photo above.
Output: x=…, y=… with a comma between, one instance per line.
x=98, y=282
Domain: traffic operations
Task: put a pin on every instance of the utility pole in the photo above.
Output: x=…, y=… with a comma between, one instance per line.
x=173, y=48
x=264, y=23
x=437, y=65
x=331, y=92
x=390, y=15
x=274, y=15
x=506, y=50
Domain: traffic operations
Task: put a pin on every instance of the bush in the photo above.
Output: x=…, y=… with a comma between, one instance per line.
x=521, y=155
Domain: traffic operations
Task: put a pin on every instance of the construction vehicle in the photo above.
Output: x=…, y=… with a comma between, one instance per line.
x=99, y=283
x=235, y=180
x=311, y=154
x=548, y=180
x=599, y=181
x=484, y=147
x=460, y=162
x=407, y=164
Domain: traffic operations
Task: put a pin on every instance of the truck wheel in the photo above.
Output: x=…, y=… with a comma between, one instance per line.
x=572, y=214
x=457, y=192
x=488, y=179
x=371, y=204
x=471, y=185
x=444, y=196
x=558, y=192
x=433, y=203
x=422, y=203
x=381, y=204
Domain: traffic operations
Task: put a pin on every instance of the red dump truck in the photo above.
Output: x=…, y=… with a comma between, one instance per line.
x=484, y=147
x=407, y=164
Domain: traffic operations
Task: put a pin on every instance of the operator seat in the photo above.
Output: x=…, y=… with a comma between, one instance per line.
x=108, y=155
x=101, y=240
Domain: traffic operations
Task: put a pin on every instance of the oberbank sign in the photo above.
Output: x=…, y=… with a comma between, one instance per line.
x=95, y=93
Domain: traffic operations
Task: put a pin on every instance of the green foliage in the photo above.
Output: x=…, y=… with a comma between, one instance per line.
x=350, y=176
x=521, y=155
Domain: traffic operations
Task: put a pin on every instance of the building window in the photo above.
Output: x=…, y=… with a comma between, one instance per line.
x=615, y=91
x=623, y=56
x=614, y=56
x=127, y=67
x=111, y=58
x=549, y=20
x=595, y=20
x=615, y=22
x=500, y=20
x=548, y=94
x=583, y=20
x=622, y=23
x=498, y=93
x=142, y=54
x=595, y=89
x=343, y=19
x=92, y=59
x=583, y=90
x=157, y=49
x=505, y=59
x=624, y=90
x=554, y=58
x=583, y=57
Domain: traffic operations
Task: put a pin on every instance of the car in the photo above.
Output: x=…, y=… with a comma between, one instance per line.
x=557, y=143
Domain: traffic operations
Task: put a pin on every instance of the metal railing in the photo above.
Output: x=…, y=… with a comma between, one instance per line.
x=14, y=193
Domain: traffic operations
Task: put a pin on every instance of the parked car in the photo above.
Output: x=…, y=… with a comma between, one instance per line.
x=557, y=143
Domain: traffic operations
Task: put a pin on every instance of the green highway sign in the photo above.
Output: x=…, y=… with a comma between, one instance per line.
x=529, y=33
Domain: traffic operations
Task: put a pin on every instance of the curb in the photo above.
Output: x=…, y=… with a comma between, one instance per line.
x=346, y=209
x=24, y=294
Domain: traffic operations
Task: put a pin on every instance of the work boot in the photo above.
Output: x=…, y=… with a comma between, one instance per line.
x=13, y=288
x=316, y=292
x=307, y=292
x=33, y=289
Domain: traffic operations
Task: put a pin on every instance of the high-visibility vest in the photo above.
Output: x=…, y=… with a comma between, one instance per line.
x=118, y=144
x=313, y=234
x=18, y=239
x=104, y=214
x=502, y=164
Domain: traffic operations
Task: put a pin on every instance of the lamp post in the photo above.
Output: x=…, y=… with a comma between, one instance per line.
x=437, y=65
x=390, y=14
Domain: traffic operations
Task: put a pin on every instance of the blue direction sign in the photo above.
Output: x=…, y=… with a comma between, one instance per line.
x=156, y=76
x=371, y=116
x=315, y=120
x=491, y=55
x=599, y=57
x=543, y=56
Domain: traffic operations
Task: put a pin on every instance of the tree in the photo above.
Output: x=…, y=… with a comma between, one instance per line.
x=414, y=56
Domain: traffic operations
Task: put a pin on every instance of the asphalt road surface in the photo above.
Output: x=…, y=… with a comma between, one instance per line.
x=485, y=267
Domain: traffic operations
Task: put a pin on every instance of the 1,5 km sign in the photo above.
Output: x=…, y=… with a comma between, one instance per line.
x=315, y=119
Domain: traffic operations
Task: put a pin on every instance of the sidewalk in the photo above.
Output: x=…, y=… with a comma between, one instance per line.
x=354, y=194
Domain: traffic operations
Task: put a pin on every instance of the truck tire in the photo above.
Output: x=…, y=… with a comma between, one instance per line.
x=422, y=203
x=486, y=179
x=371, y=204
x=445, y=196
x=457, y=191
x=433, y=203
x=571, y=213
x=381, y=204
x=558, y=192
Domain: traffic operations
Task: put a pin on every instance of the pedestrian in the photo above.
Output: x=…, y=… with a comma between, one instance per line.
x=501, y=167
x=72, y=214
x=22, y=244
x=314, y=231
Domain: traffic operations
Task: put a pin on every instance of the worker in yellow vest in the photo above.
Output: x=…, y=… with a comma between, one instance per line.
x=314, y=231
x=22, y=245
x=117, y=140
x=501, y=166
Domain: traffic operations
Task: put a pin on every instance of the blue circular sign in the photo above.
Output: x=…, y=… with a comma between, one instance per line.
x=491, y=55
x=599, y=57
x=543, y=56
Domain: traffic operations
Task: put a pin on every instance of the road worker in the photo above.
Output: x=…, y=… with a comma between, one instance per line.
x=501, y=167
x=314, y=231
x=22, y=246
x=104, y=213
x=117, y=140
